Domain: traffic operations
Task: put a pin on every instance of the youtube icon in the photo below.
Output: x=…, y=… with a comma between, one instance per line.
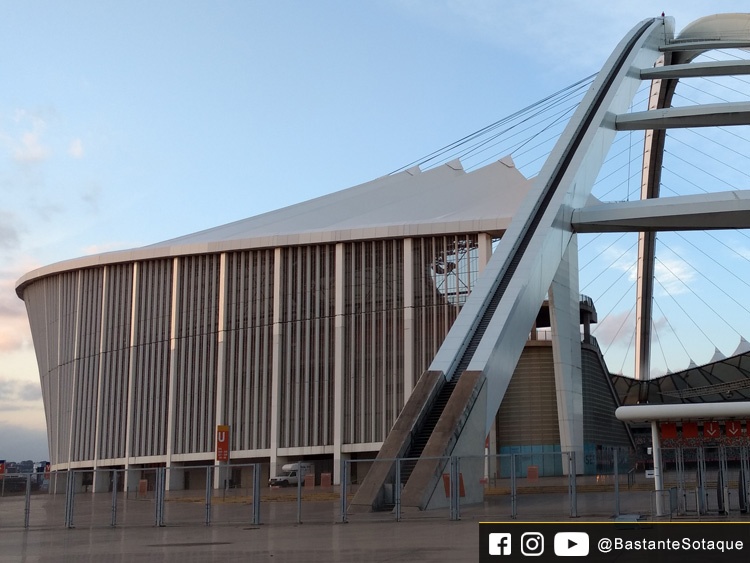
x=571, y=544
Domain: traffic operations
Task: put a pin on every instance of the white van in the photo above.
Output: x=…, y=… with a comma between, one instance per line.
x=290, y=474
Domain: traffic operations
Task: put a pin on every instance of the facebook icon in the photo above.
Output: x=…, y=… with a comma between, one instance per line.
x=499, y=544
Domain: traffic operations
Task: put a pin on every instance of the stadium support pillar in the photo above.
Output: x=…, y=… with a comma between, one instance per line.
x=133, y=475
x=101, y=481
x=175, y=478
x=276, y=361
x=132, y=361
x=485, y=250
x=174, y=404
x=409, y=376
x=492, y=468
x=221, y=473
x=338, y=369
x=658, y=477
x=337, y=457
x=566, y=349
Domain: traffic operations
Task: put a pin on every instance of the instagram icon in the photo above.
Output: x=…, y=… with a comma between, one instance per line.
x=532, y=544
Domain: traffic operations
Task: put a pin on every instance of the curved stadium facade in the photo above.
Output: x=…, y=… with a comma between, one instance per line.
x=303, y=329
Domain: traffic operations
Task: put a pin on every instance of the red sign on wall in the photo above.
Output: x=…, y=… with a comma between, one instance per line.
x=689, y=429
x=711, y=429
x=733, y=428
x=668, y=430
x=2, y=466
x=222, y=442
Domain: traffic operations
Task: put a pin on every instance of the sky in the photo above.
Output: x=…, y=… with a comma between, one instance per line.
x=123, y=124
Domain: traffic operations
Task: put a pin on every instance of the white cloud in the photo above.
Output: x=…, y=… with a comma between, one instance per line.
x=75, y=149
x=30, y=148
x=9, y=230
x=673, y=276
x=15, y=334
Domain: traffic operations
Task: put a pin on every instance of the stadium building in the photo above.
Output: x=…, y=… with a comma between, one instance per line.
x=303, y=329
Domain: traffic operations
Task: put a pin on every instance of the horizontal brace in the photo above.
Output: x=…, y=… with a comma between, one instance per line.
x=707, y=115
x=705, y=45
x=695, y=70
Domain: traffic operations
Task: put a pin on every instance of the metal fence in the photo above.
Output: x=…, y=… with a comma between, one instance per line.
x=524, y=486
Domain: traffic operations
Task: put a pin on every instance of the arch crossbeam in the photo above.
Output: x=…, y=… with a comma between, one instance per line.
x=720, y=210
x=706, y=115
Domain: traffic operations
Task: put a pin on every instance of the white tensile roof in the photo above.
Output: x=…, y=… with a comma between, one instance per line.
x=442, y=200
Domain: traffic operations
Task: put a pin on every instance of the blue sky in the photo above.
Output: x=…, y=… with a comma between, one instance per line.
x=126, y=123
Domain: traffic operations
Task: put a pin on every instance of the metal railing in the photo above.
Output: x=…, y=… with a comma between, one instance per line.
x=508, y=486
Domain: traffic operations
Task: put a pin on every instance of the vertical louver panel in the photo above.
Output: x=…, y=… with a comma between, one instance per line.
x=248, y=344
x=196, y=346
x=86, y=365
x=115, y=362
x=373, y=338
x=307, y=350
x=151, y=370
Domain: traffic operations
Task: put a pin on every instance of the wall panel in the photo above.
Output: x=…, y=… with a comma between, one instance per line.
x=248, y=344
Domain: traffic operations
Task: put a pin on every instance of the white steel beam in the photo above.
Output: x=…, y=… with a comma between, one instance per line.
x=706, y=115
x=720, y=210
x=694, y=70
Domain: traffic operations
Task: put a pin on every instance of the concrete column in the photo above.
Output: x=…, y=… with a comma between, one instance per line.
x=175, y=477
x=276, y=360
x=409, y=375
x=658, y=478
x=58, y=483
x=99, y=421
x=101, y=481
x=73, y=395
x=566, y=347
x=131, y=366
x=485, y=250
x=132, y=476
x=338, y=370
x=173, y=404
x=492, y=465
x=221, y=473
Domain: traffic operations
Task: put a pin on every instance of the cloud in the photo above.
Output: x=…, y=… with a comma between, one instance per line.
x=15, y=333
x=30, y=149
x=673, y=276
x=91, y=196
x=26, y=143
x=21, y=442
x=76, y=148
x=14, y=391
x=615, y=329
x=9, y=231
